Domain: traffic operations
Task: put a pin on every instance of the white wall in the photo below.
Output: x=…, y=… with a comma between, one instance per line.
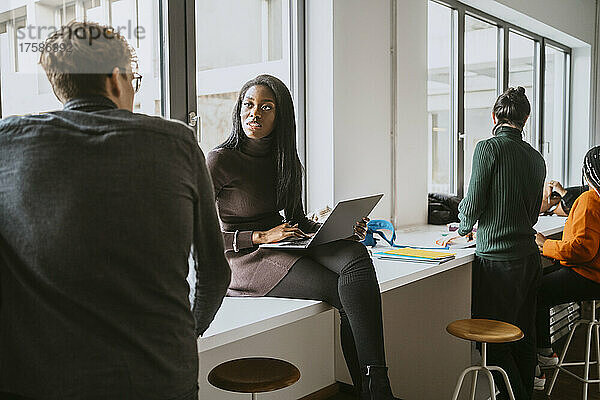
x=573, y=17
x=349, y=105
x=569, y=22
x=411, y=117
x=348, y=101
x=361, y=106
x=319, y=103
x=579, y=141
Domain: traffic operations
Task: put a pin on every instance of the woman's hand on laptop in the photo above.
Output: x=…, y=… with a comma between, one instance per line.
x=360, y=230
x=279, y=233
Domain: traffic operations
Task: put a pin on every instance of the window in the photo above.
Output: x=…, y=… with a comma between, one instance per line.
x=555, y=88
x=92, y=11
x=65, y=14
x=490, y=55
x=232, y=42
x=522, y=69
x=481, y=84
x=440, y=99
x=226, y=58
x=20, y=26
x=25, y=88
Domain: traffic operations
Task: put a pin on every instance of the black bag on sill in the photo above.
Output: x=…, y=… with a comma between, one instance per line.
x=442, y=209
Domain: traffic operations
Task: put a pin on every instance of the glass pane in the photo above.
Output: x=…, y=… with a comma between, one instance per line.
x=25, y=87
x=481, y=83
x=21, y=59
x=226, y=57
x=439, y=98
x=66, y=13
x=93, y=11
x=215, y=118
x=554, y=112
x=521, y=67
x=256, y=36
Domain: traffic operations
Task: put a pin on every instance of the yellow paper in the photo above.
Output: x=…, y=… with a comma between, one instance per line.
x=406, y=251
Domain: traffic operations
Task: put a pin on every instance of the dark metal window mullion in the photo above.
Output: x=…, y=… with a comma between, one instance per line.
x=190, y=41
x=503, y=58
x=181, y=59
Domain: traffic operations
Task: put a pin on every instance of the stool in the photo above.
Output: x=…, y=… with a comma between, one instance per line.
x=591, y=324
x=253, y=375
x=484, y=331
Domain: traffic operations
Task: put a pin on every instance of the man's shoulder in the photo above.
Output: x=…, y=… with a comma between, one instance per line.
x=105, y=122
x=162, y=125
x=18, y=121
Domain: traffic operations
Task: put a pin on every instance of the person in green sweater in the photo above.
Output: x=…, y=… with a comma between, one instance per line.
x=504, y=197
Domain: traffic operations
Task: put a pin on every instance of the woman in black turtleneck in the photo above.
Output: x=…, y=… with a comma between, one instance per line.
x=256, y=173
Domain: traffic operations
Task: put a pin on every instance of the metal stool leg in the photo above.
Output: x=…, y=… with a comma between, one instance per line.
x=586, y=370
x=461, y=379
x=562, y=358
x=487, y=371
x=473, y=385
x=491, y=381
x=597, y=331
x=511, y=394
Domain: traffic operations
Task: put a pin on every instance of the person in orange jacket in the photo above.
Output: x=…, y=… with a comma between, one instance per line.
x=578, y=277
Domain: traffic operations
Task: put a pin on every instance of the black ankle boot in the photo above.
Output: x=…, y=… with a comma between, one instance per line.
x=376, y=385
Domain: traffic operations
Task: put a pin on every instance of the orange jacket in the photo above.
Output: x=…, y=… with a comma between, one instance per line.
x=580, y=244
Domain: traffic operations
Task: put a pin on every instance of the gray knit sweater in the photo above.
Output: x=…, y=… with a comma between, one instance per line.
x=244, y=183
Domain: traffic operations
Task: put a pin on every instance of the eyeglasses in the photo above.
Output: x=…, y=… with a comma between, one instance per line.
x=136, y=80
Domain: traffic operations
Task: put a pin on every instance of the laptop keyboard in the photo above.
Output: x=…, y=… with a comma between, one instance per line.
x=301, y=242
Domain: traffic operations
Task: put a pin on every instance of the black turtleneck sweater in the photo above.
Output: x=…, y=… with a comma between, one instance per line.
x=505, y=193
x=245, y=193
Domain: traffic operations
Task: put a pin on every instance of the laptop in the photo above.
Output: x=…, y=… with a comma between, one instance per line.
x=339, y=224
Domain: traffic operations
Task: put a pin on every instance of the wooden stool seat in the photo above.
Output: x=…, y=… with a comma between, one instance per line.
x=485, y=331
x=253, y=375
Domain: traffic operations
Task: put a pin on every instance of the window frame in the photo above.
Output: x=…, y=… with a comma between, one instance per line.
x=180, y=77
x=179, y=20
x=504, y=29
x=178, y=54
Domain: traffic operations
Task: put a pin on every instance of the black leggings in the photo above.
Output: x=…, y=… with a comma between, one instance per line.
x=506, y=291
x=341, y=273
x=561, y=286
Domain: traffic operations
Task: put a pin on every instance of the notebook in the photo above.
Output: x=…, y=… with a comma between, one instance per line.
x=416, y=255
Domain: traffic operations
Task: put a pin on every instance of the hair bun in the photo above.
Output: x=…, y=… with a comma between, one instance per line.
x=515, y=91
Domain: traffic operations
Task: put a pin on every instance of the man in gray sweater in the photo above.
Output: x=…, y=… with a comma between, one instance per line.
x=99, y=211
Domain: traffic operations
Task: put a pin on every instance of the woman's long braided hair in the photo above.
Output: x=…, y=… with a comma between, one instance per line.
x=591, y=167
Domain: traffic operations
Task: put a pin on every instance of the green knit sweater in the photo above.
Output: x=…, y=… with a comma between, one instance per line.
x=505, y=194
